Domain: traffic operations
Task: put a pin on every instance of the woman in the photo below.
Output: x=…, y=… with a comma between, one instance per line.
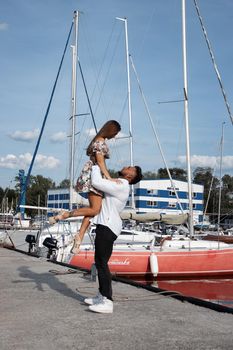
x=98, y=151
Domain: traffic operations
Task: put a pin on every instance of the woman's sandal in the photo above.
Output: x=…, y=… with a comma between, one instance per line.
x=76, y=245
x=54, y=219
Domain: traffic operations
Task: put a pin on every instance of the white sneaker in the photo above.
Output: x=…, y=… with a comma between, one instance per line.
x=95, y=300
x=105, y=306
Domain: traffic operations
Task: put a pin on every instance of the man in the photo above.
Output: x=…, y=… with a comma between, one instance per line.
x=108, y=227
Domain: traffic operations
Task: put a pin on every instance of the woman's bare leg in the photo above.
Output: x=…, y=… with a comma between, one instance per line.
x=79, y=235
x=95, y=206
x=84, y=226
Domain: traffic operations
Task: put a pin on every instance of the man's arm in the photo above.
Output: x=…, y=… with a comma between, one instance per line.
x=104, y=185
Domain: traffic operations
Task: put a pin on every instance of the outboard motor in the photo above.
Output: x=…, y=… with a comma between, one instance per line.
x=31, y=240
x=51, y=244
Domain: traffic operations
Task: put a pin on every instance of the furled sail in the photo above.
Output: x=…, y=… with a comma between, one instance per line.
x=166, y=218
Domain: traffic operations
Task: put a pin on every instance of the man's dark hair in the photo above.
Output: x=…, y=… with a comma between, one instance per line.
x=138, y=176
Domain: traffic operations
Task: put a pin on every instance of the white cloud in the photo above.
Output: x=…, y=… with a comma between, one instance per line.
x=58, y=137
x=11, y=161
x=3, y=26
x=46, y=162
x=25, y=136
x=209, y=161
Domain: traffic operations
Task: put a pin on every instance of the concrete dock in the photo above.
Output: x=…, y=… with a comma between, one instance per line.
x=42, y=309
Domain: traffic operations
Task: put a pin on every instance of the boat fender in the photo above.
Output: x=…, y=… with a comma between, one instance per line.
x=154, y=265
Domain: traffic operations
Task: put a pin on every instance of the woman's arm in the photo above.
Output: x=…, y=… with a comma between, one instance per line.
x=100, y=156
x=107, y=186
x=100, y=160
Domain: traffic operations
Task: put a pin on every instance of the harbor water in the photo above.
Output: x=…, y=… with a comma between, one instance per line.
x=218, y=291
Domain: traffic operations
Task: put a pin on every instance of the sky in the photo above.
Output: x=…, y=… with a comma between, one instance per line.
x=32, y=37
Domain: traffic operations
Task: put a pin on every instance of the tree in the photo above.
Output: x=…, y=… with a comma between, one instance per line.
x=176, y=174
x=204, y=176
x=8, y=198
x=227, y=191
x=64, y=184
x=149, y=175
x=37, y=191
x=1, y=194
x=227, y=181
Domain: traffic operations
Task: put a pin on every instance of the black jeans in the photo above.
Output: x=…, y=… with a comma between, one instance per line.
x=103, y=250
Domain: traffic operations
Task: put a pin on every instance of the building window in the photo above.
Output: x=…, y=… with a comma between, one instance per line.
x=151, y=203
x=172, y=193
x=172, y=205
x=194, y=206
x=151, y=191
x=64, y=196
x=194, y=194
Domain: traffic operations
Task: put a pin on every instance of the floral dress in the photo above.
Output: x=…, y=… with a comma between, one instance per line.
x=84, y=180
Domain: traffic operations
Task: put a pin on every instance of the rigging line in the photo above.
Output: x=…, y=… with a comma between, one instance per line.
x=108, y=71
x=102, y=64
x=208, y=197
x=88, y=100
x=211, y=186
x=156, y=135
x=213, y=61
x=123, y=106
x=141, y=49
x=103, y=60
x=224, y=216
x=47, y=111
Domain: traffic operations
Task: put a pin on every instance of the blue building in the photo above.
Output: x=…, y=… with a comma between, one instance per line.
x=159, y=196
x=60, y=198
x=150, y=196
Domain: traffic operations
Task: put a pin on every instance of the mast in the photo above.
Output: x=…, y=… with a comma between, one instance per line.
x=220, y=178
x=129, y=103
x=188, y=159
x=74, y=48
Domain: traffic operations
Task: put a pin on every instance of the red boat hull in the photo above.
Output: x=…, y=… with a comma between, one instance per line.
x=176, y=264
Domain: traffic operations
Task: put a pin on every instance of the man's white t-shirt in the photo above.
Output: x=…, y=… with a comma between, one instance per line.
x=114, y=201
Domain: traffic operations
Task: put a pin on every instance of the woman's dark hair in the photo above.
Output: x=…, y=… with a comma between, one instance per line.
x=106, y=132
x=138, y=176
